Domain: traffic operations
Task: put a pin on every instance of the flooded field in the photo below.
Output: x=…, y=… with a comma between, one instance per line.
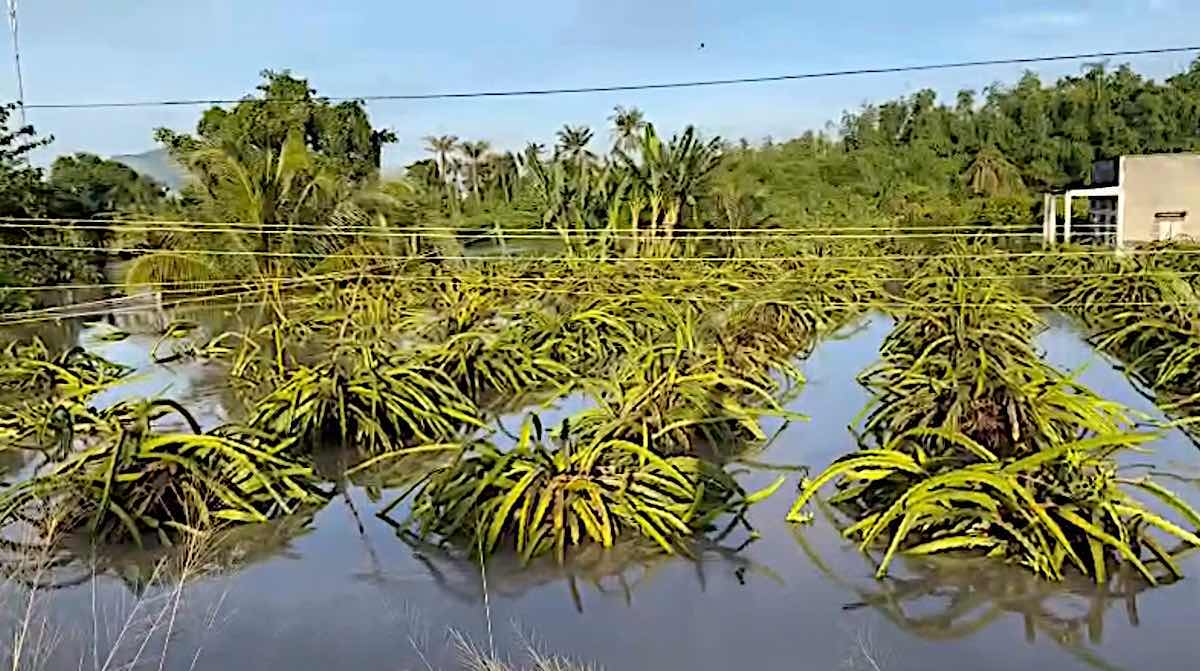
x=342, y=589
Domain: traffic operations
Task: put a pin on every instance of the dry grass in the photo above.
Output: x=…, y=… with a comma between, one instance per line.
x=472, y=658
x=126, y=629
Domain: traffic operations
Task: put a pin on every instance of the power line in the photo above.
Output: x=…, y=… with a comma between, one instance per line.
x=16, y=44
x=11, y=222
x=532, y=234
x=252, y=286
x=102, y=307
x=169, y=287
x=115, y=302
x=632, y=87
x=486, y=258
x=221, y=301
x=217, y=301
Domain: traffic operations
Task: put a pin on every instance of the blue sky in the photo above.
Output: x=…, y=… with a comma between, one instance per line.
x=80, y=50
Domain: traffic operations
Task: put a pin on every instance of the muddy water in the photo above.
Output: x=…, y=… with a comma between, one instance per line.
x=344, y=591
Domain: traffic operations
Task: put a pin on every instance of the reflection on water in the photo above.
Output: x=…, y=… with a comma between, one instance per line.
x=342, y=588
x=621, y=570
x=948, y=598
x=74, y=561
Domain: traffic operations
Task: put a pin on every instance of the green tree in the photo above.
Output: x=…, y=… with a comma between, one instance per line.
x=339, y=135
x=86, y=186
x=28, y=256
x=441, y=146
x=991, y=174
x=22, y=193
x=628, y=125
x=266, y=191
x=474, y=154
x=573, y=144
x=271, y=165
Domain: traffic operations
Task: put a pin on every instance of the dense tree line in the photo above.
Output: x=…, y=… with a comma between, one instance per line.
x=978, y=156
x=297, y=173
x=81, y=186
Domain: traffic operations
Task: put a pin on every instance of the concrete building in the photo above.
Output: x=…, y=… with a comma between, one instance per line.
x=1133, y=199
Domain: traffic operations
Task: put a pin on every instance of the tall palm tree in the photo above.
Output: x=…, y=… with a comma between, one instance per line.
x=673, y=175
x=573, y=142
x=637, y=198
x=627, y=127
x=441, y=146
x=502, y=174
x=691, y=162
x=267, y=191
x=474, y=153
x=533, y=150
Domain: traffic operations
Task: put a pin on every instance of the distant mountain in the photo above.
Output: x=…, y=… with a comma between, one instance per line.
x=158, y=165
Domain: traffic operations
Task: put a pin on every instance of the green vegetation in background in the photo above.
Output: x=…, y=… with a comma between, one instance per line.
x=285, y=158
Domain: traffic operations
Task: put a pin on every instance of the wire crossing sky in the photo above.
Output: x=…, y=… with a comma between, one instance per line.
x=700, y=83
x=123, y=50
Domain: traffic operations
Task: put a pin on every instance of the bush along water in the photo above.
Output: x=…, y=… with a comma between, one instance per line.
x=548, y=494
x=162, y=484
x=1145, y=312
x=367, y=397
x=973, y=443
x=111, y=473
x=44, y=396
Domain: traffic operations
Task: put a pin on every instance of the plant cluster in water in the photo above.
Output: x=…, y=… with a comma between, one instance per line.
x=974, y=442
x=394, y=373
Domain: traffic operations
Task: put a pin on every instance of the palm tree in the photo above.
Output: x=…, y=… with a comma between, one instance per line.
x=647, y=174
x=637, y=198
x=739, y=206
x=474, y=153
x=441, y=146
x=672, y=175
x=272, y=190
x=502, y=174
x=573, y=142
x=267, y=192
x=691, y=162
x=991, y=174
x=533, y=150
x=627, y=127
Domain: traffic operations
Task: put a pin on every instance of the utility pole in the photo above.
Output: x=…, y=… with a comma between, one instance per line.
x=12, y=25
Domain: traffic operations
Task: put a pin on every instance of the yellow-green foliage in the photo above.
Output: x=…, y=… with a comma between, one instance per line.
x=1143, y=311
x=961, y=359
x=31, y=367
x=974, y=443
x=44, y=396
x=681, y=397
x=535, y=499
x=133, y=481
x=367, y=398
x=490, y=364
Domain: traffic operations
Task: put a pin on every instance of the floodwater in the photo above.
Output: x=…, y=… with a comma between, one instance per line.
x=344, y=591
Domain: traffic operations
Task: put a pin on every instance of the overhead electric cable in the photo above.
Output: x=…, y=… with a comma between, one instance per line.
x=629, y=87
x=14, y=31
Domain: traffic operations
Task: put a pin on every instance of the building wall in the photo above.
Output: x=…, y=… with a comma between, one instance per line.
x=1160, y=184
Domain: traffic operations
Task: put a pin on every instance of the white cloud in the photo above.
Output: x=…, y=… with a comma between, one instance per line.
x=1043, y=20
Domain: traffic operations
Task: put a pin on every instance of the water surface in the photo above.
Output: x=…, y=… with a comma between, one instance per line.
x=343, y=590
